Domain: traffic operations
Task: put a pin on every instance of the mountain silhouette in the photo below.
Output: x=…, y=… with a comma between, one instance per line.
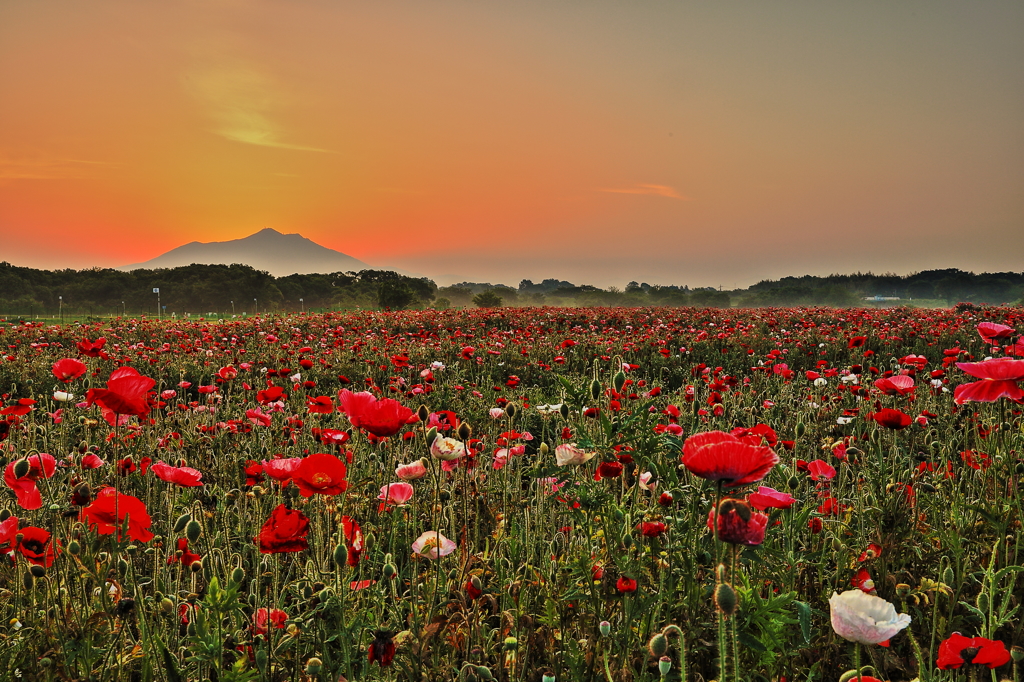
x=279, y=254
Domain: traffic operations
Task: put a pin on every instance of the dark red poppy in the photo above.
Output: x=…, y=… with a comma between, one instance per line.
x=320, y=473
x=183, y=476
x=382, y=418
x=856, y=341
x=253, y=472
x=738, y=524
x=109, y=510
x=957, y=650
x=265, y=619
x=183, y=555
x=127, y=393
x=891, y=419
x=320, y=405
x=271, y=394
x=652, y=529
x=382, y=648
x=36, y=546
x=40, y=465
x=284, y=531
x=353, y=540
x=69, y=369
x=719, y=456
x=625, y=584
x=608, y=470
x=473, y=588
x=92, y=349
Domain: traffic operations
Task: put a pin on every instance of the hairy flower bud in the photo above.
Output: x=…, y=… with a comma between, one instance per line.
x=726, y=599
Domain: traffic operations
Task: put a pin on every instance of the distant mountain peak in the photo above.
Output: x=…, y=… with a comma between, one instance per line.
x=277, y=253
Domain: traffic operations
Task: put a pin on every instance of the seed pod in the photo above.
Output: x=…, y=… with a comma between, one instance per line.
x=605, y=628
x=664, y=665
x=313, y=666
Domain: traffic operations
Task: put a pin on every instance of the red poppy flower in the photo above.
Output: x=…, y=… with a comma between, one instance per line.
x=320, y=473
x=382, y=418
x=957, y=650
x=92, y=349
x=127, y=393
x=820, y=470
x=995, y=333
x=185, y=557
x=382, y=648
x=762, y=434
x=320, y=405
x=473, y=588
x=284, y=531
x=719, y=456
x=900, y=384
x=608, y=470
x=265, y=619
x=35, y=546
x=891, y=419
x=20, y=408
x=253, y=472
x=271, y=394
x=863, y=582
x=999, y=378
x=738, y=524
x=282, y=469
x=856, y=341
x=625, y=584
x=770, y=498
x=652, y=529
x=109, y=510
x=353, y=539
x=69, y=369
x=40, y=465
x=183, y=476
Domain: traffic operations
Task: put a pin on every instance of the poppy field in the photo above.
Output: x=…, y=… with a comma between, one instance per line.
x=515, y=494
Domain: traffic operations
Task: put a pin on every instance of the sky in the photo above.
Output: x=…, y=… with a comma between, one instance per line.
x=600, y=142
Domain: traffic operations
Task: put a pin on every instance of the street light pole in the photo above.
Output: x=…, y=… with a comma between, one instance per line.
x=302, y=306
x=156, y=290
x=255, y=307
x=60, y=300
x=232, y=309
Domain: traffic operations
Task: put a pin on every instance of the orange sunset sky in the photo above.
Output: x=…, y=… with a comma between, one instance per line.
x=601, y=142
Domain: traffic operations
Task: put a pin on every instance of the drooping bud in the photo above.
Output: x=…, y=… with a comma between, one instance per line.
x=595, y=389
x=619, y=380
x=238, y=575
x=726, y=599
x=37, y=571
x=182, y=521
x=74, y=549
x=193, y=530
x=21, y=468
x=658, y=645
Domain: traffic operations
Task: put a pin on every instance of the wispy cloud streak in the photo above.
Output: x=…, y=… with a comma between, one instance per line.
x=650, y=190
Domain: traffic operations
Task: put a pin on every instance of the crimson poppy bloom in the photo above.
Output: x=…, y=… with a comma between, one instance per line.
x=382, y=648
x=41, y=465
x=652, y=529
x=92, y=349
x=856, y=341
x=473, y=588
x=995, y=333
x=36, y=546
x=382, y=418
x=184, y=476
x=320, y=405
x=20, y=408
x=737, y=523
x=183, y=556
x=282, y=469
x=608, y=470
x=900, y=384
x=127, y=393
x=820, y=470
x=265, y=619
x=109, y=510
x=720, y=456
x=625, y=584
x=999, y=378
x=891, y=419
x=957, y=650
x=770, y=498
x=353, y=539
x=320, y=473
x=271, y=394
x=69, y=369
x=284, y=531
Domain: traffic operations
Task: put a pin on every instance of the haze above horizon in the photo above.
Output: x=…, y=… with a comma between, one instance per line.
x=674, y=143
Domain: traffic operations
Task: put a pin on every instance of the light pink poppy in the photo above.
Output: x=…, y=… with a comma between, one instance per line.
x=433, y=545
x=396, y=494
x=567, y=454
x=412, y=471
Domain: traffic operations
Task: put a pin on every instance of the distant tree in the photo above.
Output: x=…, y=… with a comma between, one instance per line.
x=487, y=299
x=395, y=295
x=459, y=296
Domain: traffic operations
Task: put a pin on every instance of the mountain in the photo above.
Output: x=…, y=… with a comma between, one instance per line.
x=279, y=254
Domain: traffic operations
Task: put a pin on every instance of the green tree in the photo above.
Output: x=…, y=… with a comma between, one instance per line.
x=395, y=295
x=487, y=299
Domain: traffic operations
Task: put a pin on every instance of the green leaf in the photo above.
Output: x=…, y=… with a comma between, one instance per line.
x=751, y=642
x=974, y=611
x=803, y=614
x=170, y=663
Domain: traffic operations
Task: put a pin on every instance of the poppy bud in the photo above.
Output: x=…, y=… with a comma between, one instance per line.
x=605, y=628
x=510, y=410
x=74, y=549
x=725, y=599
x=801, y=429
x=5, y=514
x=948, y=576
x=166, y=605
x=595, y=389
x=313, y=666
x=664, y=665
x=564, y=411
x=465, y=431
x=619, y=380
x=793, y=482
x=423, y=412
x=341, y=555
x=182, y=521
x=431, y=434
x=27, y=580
x=238, y=575
x=390, y=570
x=544, y=449
x=193, y=530
x=658, y=645
x=665, y=500
x=37, y=571
x=474, y=588
x=484, y=673
x=21, y=468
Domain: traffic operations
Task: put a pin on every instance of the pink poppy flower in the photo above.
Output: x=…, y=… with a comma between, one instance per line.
x=433, y=545
x=999, y=378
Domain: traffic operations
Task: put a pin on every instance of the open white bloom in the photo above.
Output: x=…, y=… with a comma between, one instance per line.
x=63, y=396
x=865, y=618
x=447, y=449
x=568, y=453
x=549, y=409
x=433, y=545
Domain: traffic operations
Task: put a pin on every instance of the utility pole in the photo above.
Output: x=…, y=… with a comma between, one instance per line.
x=60, y=308
x=156, y=290
x=302, y=306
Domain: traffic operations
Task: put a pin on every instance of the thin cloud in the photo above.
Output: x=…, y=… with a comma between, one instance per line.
x=47, y=169
x=241, y=101
x=650, y=190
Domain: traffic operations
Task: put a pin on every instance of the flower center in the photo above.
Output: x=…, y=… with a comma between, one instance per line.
x=320, y=478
